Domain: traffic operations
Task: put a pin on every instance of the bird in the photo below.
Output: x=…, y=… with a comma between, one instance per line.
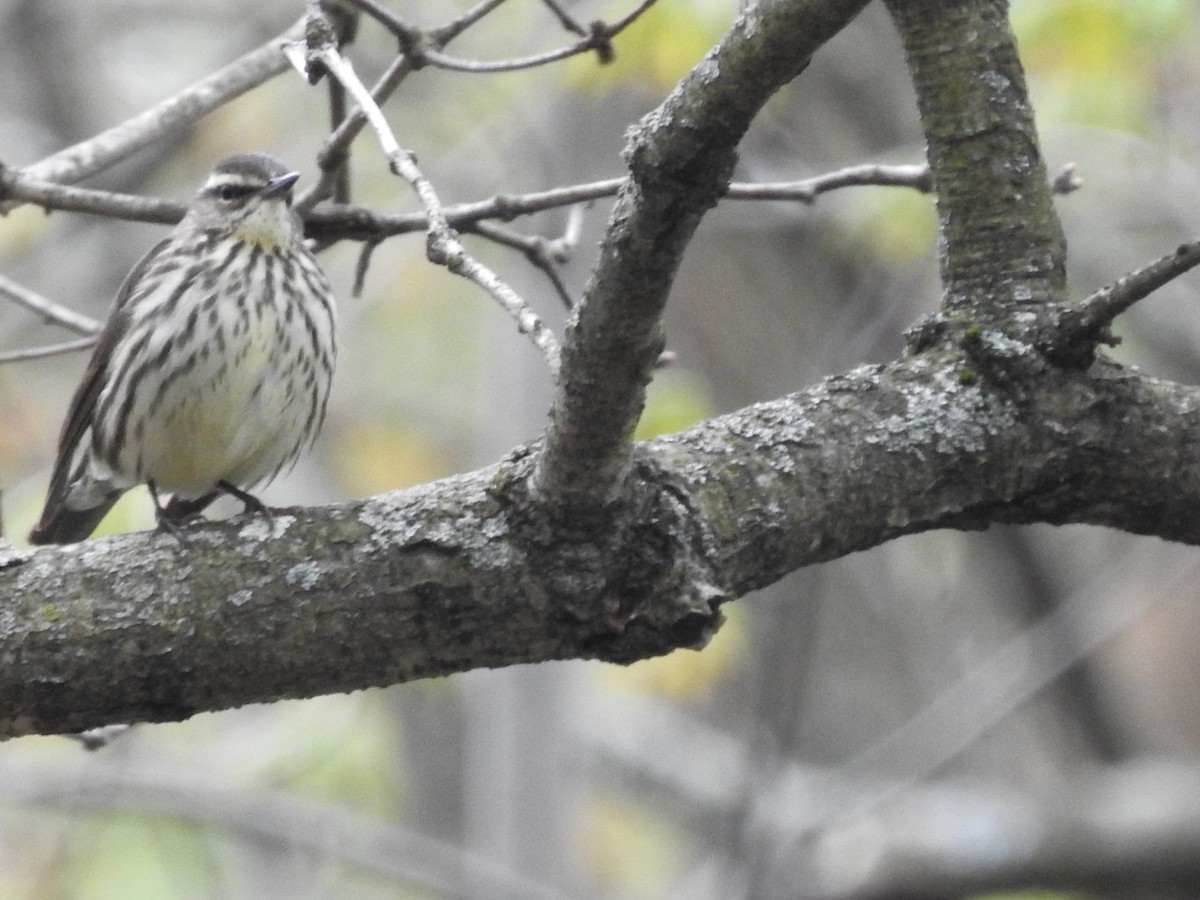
x=212, y=372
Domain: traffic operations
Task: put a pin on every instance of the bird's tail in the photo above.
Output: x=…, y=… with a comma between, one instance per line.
x=61, y=525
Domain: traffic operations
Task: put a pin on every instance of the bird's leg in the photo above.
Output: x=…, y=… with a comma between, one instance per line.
x=250, y=503
x=166, y=522
x=178, y=509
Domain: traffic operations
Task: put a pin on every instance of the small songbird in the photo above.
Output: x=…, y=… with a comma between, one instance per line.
x=212, y=373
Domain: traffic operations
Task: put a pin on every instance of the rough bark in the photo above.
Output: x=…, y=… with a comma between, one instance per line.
x=467, y=572
x=680, y=160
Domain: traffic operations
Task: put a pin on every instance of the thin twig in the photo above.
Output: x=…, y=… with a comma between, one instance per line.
x=337, y=115
x=1092, y=315
x=333, y=153
x=440, y=37
x=564, y=18
x=48, y=309
x=346, y=222
x=916, y=177
x=562, y=248
x=17, y=188
x=630, y=17
x=480, y=67
x=49, y=350
x=545, y=254
x=337, y=146
x=442, y=244
x=406, y=33
x=360, y=268
x=598, y=38
x=808, y=189
x=535, y=248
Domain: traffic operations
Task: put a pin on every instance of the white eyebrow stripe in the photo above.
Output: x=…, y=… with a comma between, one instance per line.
x=231, y=179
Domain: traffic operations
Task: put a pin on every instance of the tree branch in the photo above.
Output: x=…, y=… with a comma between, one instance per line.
x=58, y=349
x=1002, y=246
x=468, y=572
x=336, y=221
x=334, y=152
x=48, y=309
x=442, y=244
x=1090, y=318
x=680, y=158
x=110, y=147
x=17, y=188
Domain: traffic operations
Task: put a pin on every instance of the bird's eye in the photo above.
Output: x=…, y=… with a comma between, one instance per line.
x=229, y=192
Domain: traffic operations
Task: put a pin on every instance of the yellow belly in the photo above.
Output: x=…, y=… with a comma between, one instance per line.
x=239, y=424
x=232, y=394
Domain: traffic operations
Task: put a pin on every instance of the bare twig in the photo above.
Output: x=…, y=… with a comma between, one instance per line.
x=109, y=147
x=360, y=268
x=481, y=67
x=914, y=176
x=807, y=190
x=47, y=309
x=337, y=115
x=563, y=247
x=442, y=244
x=407, y=34
x=598, y=38
x=543, y=253
x=564, y=18
x=337, y=145
x=1092, y=315
x=49, y=350
x=359, y=223
x=344, y=222
x=17, y=188
x=333, y=154
x=439, y=37
x=539, y=251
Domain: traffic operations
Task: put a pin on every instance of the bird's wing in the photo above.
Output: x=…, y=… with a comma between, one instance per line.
x=83, y=404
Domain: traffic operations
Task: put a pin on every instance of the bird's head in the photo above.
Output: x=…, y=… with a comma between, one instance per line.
x=249, y=196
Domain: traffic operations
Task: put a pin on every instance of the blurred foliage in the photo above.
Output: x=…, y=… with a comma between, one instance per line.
x=23, y=227
x=132, y=856
x=346, y=753
x=898, y=224
x=658, y=50
x=676, y=398
x=372, y=456
x=1101, y=62
x=632, y=852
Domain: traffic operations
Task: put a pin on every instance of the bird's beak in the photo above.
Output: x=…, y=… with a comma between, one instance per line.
x=279, y=187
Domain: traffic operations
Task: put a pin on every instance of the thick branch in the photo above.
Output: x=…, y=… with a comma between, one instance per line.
x=468, y=572
x=680, y=158
x=1002, y=245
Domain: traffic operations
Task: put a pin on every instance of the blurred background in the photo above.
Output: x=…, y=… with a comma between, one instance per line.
x=855, y=718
